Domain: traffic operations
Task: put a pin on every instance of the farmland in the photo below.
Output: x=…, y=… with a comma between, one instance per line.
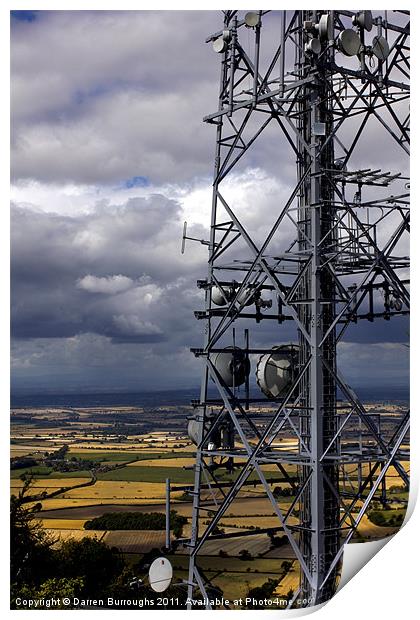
x=87, y=462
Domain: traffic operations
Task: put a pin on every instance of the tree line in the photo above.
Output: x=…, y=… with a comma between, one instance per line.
x=137, y=521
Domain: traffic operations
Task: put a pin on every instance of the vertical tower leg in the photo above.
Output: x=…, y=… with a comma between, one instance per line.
x=320, y=505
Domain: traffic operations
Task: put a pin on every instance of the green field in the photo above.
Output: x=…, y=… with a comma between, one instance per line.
x=159, y=474
x=39, y=471
x=149, y=474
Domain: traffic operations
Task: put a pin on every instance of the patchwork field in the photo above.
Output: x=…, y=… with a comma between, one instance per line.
x=135, y=541
x=258, y=544
x=129, y=470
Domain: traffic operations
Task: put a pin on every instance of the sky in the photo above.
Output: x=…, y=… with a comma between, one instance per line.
x=109, y=157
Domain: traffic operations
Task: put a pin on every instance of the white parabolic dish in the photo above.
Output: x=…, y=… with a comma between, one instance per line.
x=160, y=574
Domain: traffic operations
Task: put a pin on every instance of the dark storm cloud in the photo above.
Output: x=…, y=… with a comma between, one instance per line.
x=102, y=273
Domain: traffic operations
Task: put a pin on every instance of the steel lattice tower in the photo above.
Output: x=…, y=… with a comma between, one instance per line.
x=334, y=257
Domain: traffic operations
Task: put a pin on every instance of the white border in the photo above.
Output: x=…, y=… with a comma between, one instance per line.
x=387, y=586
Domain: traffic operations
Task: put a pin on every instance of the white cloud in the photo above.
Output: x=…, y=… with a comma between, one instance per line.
x=109, y=285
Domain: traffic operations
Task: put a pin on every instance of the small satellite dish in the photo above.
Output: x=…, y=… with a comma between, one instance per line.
x=313, y=47
x=364, y=19
x=325, y=27
x=252, y=19
x=160, y=574
x=232, y=365
x=380, y=48
x=349, y=42
x=219, y=45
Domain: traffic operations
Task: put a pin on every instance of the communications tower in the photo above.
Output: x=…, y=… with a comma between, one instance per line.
x=324, y=93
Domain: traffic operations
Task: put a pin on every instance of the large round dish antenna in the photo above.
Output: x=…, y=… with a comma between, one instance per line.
x=349, y=42
x=380, y=48
x=364, y=19
x=232, y=366
x=160, y=574
x=193, y=431
x=247, y=296
x=325, y=27
x=222, y=296
x=276, y=370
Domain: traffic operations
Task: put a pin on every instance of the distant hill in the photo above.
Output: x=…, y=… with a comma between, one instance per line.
x=172, y=397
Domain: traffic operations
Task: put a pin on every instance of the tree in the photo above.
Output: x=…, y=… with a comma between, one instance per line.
x=244, y=554
x=53, y=588
x=31, y=555
x=91, y=559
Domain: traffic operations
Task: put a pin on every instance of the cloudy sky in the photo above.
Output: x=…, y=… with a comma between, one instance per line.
x=109, y=157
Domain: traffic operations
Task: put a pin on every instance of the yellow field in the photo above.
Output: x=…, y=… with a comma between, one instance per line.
x=15, y=490
x=62, y=535
x=58, y=503
x=250, y=506
x=260, y=543
x=392, y=477
x=289, y=582
x=135, y=541
x=35, y=448
x=121, y=490
x=50, y=483
x=368, y=529
x=63, y=524
x=24, y=450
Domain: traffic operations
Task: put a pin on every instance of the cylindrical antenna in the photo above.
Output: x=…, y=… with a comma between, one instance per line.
x=184, y=236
